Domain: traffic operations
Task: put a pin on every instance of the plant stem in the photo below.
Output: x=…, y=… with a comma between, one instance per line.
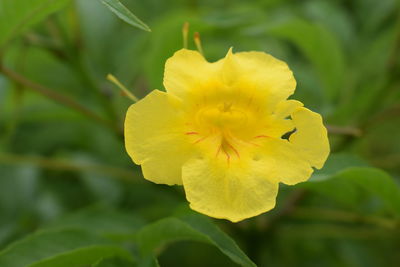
x=343, y=216
x=63, y=165
x=344, y=130
x=61, y=99
x=76, y=61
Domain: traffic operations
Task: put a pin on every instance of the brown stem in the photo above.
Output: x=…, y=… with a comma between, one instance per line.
x=61, y=99
x=344, y=130
x=64, y=165
x=343, y=216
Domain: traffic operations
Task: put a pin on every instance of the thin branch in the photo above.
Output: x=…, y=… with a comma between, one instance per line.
x=387, y=161
x=63, y=165
x=326, y=230
x=343, y=216
x=61, y=99
x=344, y=130
x=76, y=61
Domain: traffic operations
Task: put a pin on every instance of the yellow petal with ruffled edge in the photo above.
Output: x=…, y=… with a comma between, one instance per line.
x=234, y=192
x=292, y=160
x=261, y=71
x=154, y=138
x=283, y=163
x=311, y=137
x=286, y=108
x=271, y=79
x=187, y=70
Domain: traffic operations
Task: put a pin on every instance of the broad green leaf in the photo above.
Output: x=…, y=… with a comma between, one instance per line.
x=60, y=248
x=83, y=256
x=166, y=230
x=17, y=16
x=123, y=13
x=100, y=220
x=349, y=185
x=25, y=182
x=336, y=163
x=320, y=47
x=148, y=261
x=189, y=227
x=113, y=262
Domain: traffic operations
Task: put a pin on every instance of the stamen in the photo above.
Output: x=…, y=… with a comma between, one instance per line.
x=197, y=41
x=218, y=150
x=201, y=139
x=228, y=157
x=191, y=133
x=185, y=33
x=257, y=145
x=234, y=149
x=262, y=136
x=244, y=141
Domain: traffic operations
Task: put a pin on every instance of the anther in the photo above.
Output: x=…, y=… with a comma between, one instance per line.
x=197, y=41
x=185, y=33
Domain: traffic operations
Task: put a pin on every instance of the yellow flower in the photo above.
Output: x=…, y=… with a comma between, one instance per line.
x=218, y=131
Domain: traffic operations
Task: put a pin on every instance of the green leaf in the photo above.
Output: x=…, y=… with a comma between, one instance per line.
x=101, y=220
x=336, y=163
x=149, y=261
x=123, y=13
x=113, y=262
x=17, y=16
x=320, y=47
x=189, y=227
x=83, y=256
x=60, y=248
x=349, y=185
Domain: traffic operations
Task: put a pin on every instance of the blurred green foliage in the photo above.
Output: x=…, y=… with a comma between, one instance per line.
x=69, y=194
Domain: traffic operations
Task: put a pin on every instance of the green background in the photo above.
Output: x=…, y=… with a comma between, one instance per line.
x=70, y=195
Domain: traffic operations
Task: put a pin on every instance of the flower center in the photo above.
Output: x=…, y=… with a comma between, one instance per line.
x=223, y=128
x=223, y=117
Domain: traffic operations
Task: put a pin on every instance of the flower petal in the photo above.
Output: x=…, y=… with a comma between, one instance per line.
x=234, y=192
x=285, y=108
x=310, y=138
x=278, y=124
x=268, y=74
x=283, y=162
x=154, y=138
x=186, y=70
